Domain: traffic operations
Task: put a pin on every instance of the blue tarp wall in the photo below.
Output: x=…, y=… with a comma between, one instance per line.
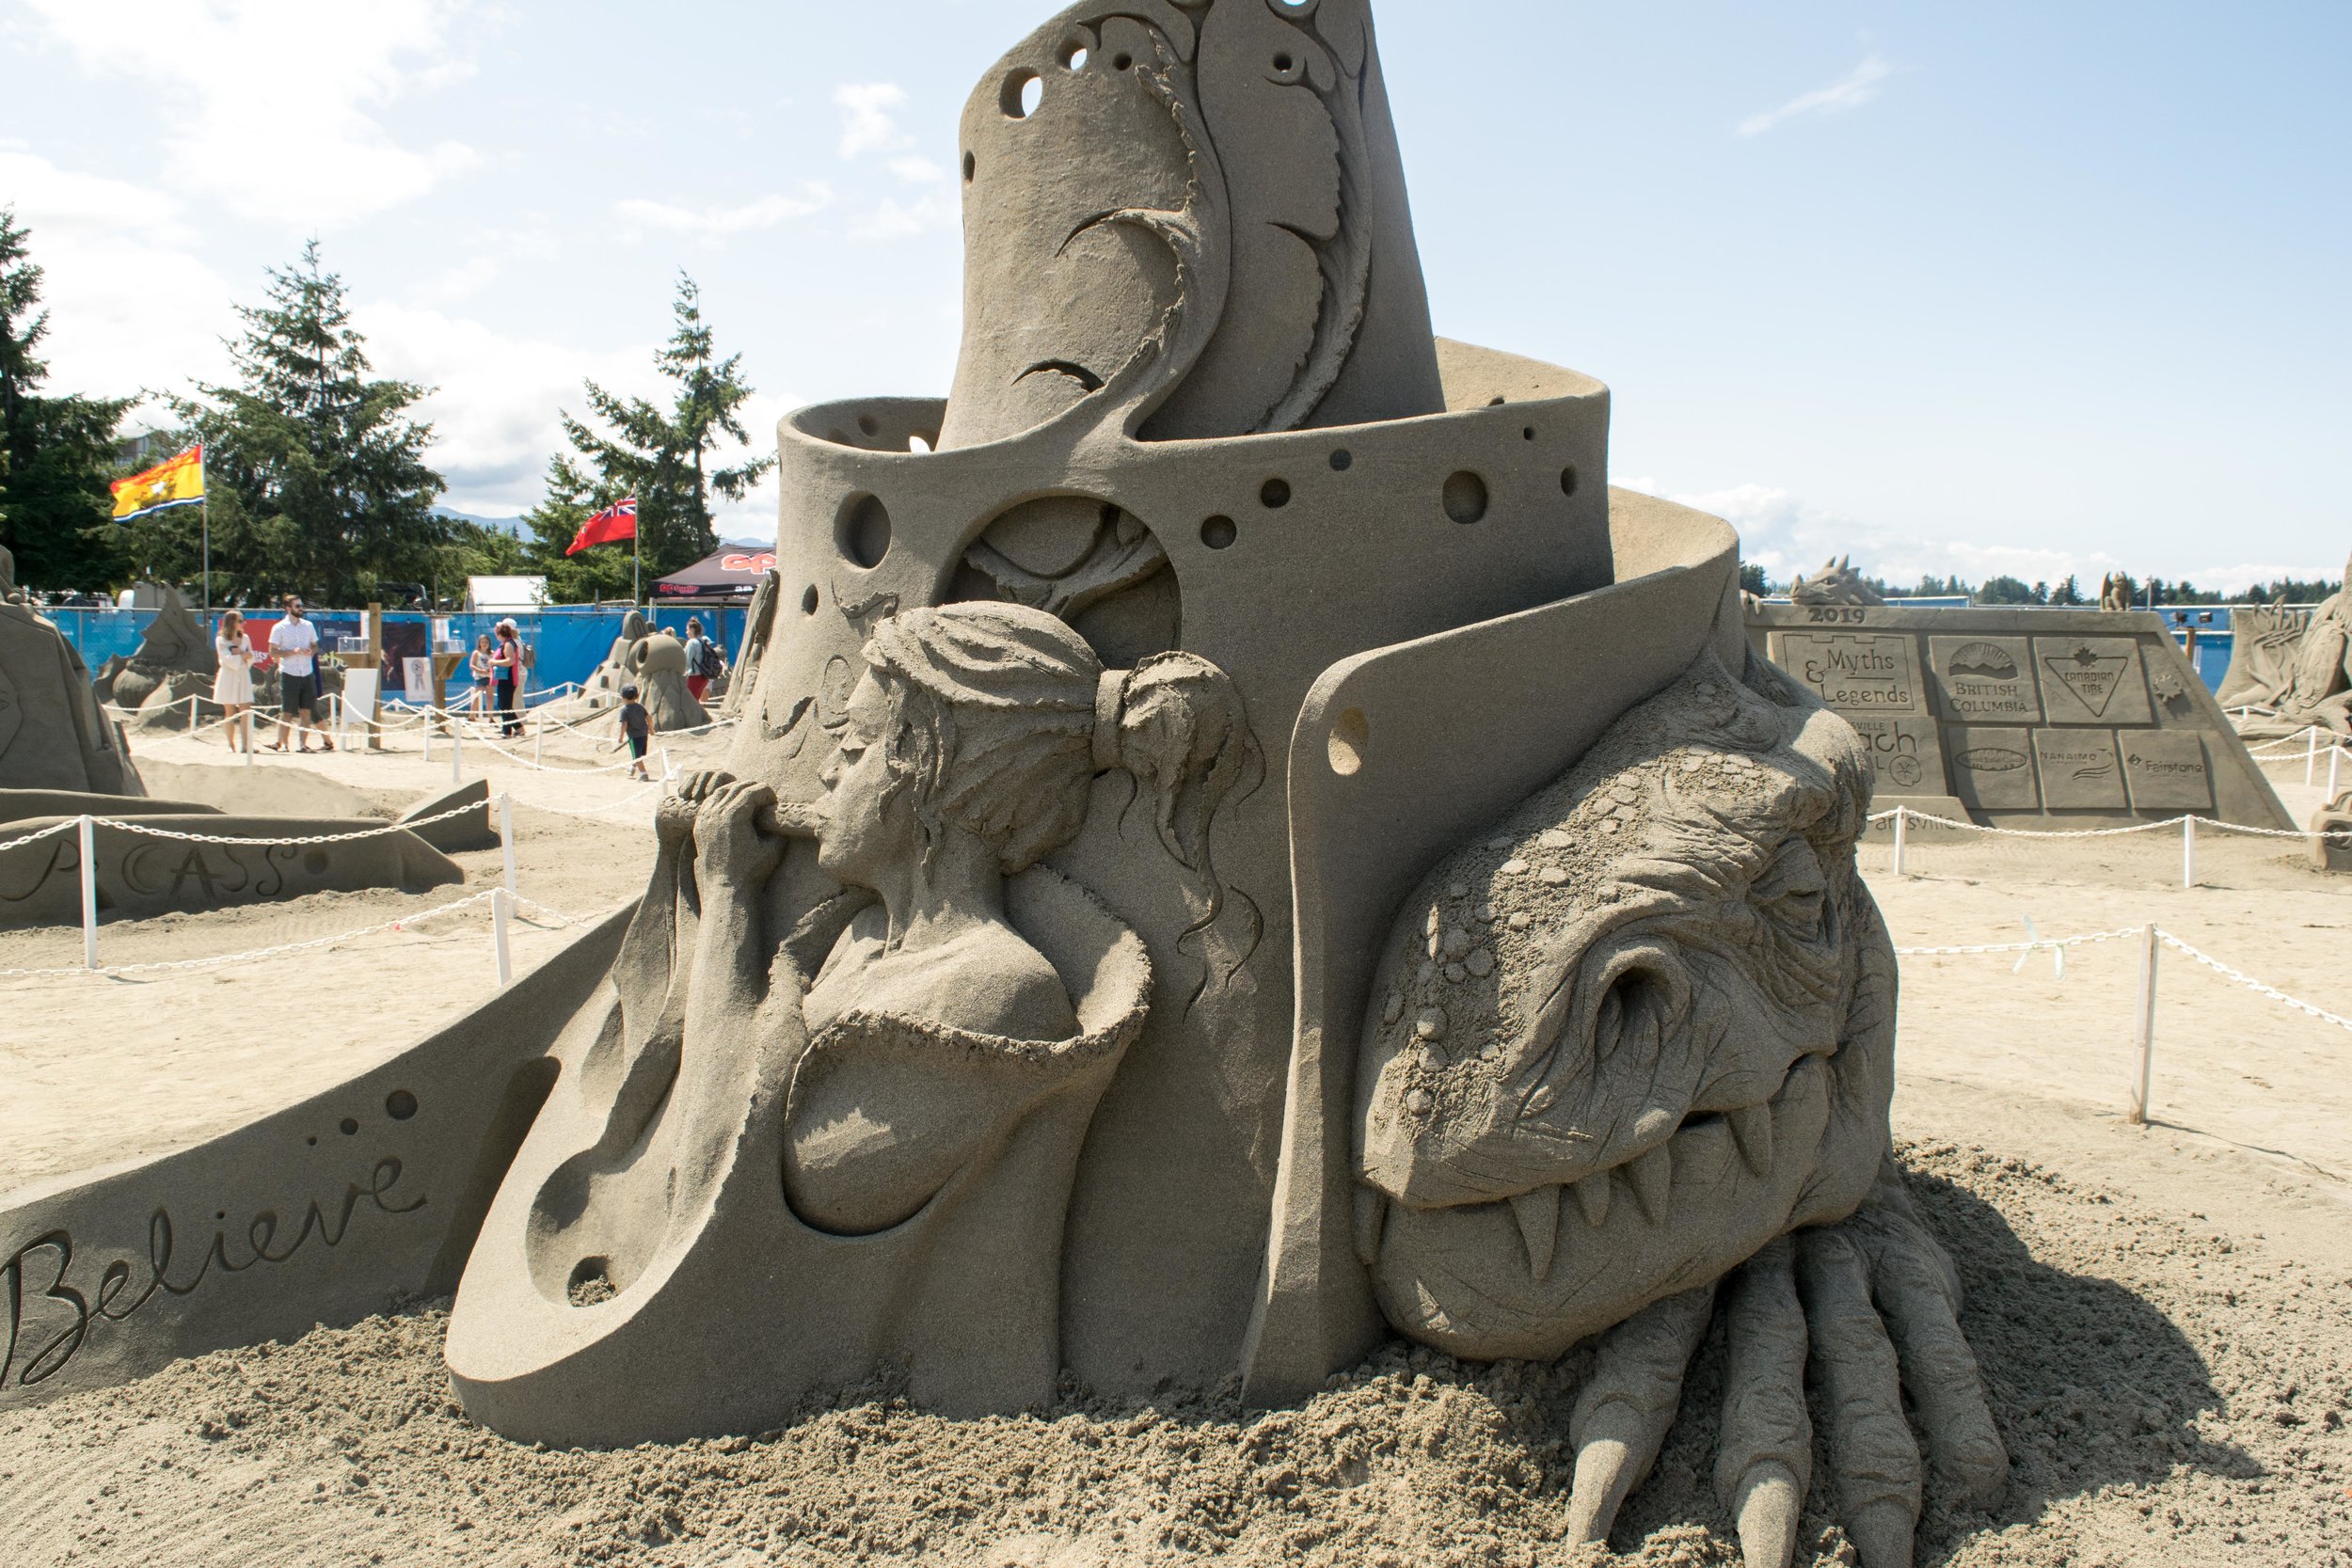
x=569, y=643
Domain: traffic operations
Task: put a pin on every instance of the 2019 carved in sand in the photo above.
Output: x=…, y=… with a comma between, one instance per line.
x=1043, y=986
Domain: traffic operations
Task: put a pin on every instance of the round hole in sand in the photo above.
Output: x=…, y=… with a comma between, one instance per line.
x=400, y=1104
x=1464, y=498
x=1275, y=494
x=1351, y=732
x=808, y=600
x=1567, y=480
x=1218, y=532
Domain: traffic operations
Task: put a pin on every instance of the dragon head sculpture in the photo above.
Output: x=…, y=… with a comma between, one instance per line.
x=1636, y=1033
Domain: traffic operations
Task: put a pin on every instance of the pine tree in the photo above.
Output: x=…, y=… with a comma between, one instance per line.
x=664, y=457
x=57, y=454
x=317, y=473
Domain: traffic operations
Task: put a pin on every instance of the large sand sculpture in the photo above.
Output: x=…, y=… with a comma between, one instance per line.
x=1242, y=844
x=2034, y=719
x=53, y=735
x=2292, y=671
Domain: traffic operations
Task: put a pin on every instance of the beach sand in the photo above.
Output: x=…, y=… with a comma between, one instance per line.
x=2163, y=1313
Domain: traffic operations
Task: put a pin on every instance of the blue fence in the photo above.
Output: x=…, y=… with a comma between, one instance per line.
x=567, y=644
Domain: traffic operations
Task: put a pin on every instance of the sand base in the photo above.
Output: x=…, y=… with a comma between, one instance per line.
x=2164, y=1313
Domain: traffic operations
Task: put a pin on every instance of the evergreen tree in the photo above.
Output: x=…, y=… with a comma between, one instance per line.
x=317, y=474
x=667, y=458
x=57, y=454
x=2067, y=593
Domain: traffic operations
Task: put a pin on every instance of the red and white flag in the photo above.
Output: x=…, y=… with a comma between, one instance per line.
x=617, y=521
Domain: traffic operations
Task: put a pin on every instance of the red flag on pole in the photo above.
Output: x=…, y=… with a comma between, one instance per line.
x=617, y=521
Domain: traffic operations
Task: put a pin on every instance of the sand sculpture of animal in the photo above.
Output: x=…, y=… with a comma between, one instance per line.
x=1835, y=583
x=1631, y=1072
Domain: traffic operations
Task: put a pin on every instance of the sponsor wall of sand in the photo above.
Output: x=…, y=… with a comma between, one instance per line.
x=2004, y=715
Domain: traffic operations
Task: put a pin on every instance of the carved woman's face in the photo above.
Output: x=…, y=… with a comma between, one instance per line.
x=871, y=826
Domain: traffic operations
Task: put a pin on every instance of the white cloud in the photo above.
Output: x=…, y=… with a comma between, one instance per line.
x=131, y=305
x=1852, y=90
x=867, y=122
x=266, y=103
x=713, y=225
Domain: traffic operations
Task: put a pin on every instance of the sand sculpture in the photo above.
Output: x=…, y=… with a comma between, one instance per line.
x=53, y=735
x=2030, y=718
x=759, y=623
x=2331, y=828
x=657, y=666
x=1041, y=989
x=173, y=662
x=2291, y=670
x=1836, y=582
x=603, y=687
x=2117, y=594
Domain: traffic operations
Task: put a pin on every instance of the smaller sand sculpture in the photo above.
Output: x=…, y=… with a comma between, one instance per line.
x=2294, y=672
x=2331, y=829
x=2118, y=593
x=603, y=687
x=742, y=679
x=1836, y=582
x=175, y=659
x=53, y=735
x=657, y=666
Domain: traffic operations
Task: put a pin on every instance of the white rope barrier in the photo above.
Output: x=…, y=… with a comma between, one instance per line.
x=2153, y=939
x=148, y=830
x=2171, y=824
x=496, y=896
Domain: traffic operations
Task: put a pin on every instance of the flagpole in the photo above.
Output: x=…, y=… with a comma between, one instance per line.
x=204, y=493
x=637, y=561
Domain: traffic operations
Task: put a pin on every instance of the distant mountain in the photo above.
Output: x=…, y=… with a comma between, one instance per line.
x=504, y=525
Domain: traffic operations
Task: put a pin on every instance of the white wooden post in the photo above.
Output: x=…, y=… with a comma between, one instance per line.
x=2146, y=1028
x=2335, y=770
x=456, y=753
x=1902, y=823
x=500, y=898
x=2311, y=755
x=539, y=743
x=2189, y=852
x=89, y=893
x=507, y=838
x=428, y=742
x=245, y=724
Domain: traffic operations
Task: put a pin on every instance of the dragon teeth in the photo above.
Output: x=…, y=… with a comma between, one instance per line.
x=1592, y=1195
x=1538, y=1213
x=1651, y=1176
x=1752, y=1129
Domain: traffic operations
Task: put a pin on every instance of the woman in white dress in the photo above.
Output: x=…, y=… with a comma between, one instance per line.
x=233, y=688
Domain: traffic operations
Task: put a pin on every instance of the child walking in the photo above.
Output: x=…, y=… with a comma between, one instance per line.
x=636, y=730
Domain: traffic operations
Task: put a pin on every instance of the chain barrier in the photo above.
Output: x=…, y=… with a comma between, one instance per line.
x=553, y=916
x=50, y=832
x=2171, y=824
x=2251, y=983
x=147, y=831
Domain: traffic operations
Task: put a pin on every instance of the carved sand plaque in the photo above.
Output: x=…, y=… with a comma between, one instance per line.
x=2081, y=769
x=2093, y=680
x=1855, y=673
x=1992, y=768
x=2167, y=770
x=1984, y=680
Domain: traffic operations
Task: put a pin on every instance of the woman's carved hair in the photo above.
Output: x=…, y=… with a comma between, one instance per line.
x=1002, y=716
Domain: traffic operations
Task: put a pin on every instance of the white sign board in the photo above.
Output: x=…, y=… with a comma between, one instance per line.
x=359, y=705
x=417, y=675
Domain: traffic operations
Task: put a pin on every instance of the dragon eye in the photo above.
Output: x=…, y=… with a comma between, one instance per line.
x=1791, y=892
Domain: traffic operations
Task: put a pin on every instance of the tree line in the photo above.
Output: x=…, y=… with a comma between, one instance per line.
x=318, y=475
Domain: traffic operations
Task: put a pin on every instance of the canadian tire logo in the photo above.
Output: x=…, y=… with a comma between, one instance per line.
x=2094, y=678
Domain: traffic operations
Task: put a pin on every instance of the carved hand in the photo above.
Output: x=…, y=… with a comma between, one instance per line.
x=734, y=855
x=1873, y=1302
x=674, y=820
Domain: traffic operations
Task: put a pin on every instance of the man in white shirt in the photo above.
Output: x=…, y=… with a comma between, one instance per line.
x=293, y=644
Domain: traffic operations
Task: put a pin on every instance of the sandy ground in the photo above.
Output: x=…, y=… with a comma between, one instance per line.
x=2164, y=1313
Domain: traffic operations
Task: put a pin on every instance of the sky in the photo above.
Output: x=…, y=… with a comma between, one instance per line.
x=2008, y=287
